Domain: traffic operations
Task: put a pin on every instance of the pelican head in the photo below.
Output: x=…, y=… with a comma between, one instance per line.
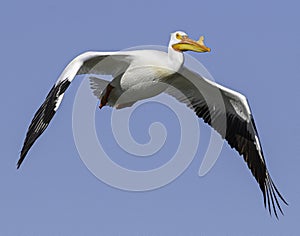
x=181, y=42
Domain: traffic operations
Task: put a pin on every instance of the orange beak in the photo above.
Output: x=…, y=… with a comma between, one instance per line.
x=187, y=44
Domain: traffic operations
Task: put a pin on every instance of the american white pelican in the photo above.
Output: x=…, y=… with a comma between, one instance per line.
x=146, y=73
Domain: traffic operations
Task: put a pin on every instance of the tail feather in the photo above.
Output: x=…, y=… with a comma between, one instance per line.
x=98, y=86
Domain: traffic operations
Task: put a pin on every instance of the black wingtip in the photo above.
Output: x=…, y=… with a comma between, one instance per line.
x=26, y=146
x=271, y=194
x=21, y=159
x=19, y=163
x=42, y=117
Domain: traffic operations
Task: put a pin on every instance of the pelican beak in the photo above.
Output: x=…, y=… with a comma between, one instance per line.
x=187, y=44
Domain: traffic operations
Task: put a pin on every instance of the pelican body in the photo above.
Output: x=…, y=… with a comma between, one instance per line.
x=143, y=74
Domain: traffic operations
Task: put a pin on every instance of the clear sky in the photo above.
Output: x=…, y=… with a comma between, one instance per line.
x=255, y=50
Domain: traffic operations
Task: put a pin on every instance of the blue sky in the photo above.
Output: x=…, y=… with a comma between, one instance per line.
x=255, y=50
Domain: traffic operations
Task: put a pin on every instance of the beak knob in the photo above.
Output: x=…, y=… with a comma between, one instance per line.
x=201, y=40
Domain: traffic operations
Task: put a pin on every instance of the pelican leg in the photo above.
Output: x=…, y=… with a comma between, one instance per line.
x=103, y=100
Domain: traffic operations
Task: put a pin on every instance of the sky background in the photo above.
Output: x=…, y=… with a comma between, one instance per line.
x=255, y=50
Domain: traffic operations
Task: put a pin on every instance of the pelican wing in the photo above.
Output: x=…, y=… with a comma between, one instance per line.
x=109, y=63
x=229, y=114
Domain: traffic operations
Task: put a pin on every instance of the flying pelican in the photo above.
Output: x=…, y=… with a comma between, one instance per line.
x=143, y=74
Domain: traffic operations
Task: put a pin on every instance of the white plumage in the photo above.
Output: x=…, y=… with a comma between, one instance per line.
x=143, y=74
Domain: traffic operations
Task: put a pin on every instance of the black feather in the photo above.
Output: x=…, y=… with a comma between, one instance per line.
x=216, y=107
x=42, y=118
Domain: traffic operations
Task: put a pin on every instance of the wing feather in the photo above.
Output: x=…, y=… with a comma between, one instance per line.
x=229, y=114
x=43, y=117
x=86, y=63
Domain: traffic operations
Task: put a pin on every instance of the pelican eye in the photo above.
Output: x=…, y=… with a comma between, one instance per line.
x=178, y=36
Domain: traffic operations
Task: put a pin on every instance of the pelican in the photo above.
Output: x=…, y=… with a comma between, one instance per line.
x=143, y=74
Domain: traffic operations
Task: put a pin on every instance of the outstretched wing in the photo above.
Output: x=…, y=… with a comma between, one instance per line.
x=110, y=63
x=229, y=114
